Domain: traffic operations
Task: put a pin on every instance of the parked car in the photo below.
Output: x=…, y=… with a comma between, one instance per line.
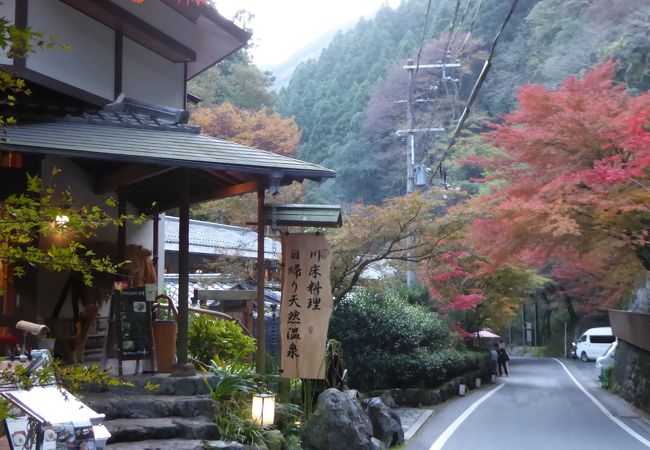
x=607, y=360
x=593, y=343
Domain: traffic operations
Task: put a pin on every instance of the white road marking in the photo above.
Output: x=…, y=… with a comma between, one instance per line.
x=444, y=437
x=605, y=411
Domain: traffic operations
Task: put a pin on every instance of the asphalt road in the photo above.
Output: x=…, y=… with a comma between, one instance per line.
x=539, y=406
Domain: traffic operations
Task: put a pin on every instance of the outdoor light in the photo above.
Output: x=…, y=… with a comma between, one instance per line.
x=61, y=220
x=264, y=409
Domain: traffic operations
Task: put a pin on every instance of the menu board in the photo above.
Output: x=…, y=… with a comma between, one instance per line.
x=130, y=328
x=134, y=319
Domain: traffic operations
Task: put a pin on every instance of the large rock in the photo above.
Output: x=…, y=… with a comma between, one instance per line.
x=338, y=423
x=275, y=440
x=386, y=424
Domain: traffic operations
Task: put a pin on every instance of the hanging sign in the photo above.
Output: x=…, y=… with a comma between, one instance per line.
x=306, y=305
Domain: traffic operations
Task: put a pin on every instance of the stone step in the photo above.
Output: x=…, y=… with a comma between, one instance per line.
x=121, y=406
x=176, y=444
x=164, y=384
x=130, y=430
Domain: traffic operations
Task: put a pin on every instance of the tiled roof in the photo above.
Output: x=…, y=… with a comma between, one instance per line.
x=211, y=282
x=217, y=239
x=130, y=118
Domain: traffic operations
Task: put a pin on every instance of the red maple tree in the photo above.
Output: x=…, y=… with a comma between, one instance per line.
x=569, y=188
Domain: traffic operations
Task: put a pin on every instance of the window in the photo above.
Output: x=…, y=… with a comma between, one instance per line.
x=583, y=338
x=11, y=160
x=602, y=339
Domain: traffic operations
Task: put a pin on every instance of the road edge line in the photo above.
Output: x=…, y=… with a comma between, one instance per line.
x=444, y=437
x=604, y=410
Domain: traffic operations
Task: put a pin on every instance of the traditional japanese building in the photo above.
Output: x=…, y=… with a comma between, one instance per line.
x=110, y=113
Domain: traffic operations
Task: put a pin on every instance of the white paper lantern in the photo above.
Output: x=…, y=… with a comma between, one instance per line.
x=263, y=410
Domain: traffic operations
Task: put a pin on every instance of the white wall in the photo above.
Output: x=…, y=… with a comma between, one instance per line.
x=50, y=283
x=149, y=77
x=90, y=62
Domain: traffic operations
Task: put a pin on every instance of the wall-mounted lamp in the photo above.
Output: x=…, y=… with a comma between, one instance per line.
x=275, y=179
x=61, y=220
x=263, y=410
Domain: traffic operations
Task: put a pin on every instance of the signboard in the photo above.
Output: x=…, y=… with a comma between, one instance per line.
x=306, y=305
x=64, y=422
x=130, y=327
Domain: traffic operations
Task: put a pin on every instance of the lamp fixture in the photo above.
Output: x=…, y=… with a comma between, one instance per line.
x=263, y=410
x=61, y=220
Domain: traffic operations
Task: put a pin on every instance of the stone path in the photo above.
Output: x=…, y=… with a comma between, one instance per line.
x=412, y=419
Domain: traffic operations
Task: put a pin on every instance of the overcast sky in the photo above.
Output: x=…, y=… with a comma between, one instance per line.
x=282, y=27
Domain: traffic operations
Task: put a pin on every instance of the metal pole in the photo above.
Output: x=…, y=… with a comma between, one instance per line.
x=565, y=342
x=410, y=161
x=523, y=324
x=535, y=317
x=261, y=347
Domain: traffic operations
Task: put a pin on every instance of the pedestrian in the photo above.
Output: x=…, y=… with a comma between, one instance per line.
x=502, y=359
x=494, y=354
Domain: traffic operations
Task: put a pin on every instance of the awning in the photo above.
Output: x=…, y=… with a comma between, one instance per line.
x=487, y=334
x=303, y=215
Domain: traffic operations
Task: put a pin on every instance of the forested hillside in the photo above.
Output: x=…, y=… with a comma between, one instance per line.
x=344, y=102
x=544, y=197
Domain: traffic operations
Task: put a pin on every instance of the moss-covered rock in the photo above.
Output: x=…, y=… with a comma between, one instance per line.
x=274, y=440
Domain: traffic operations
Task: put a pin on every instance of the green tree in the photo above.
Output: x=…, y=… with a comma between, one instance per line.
x=42, y=210
x=235, y=80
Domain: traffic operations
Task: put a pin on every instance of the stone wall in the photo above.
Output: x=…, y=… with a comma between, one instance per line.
x=631, y=373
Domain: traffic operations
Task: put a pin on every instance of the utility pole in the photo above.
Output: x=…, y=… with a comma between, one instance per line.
x=410, y=147
x=410, y=161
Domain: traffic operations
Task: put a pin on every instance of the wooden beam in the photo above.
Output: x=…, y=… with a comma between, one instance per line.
x=127, y=176
x=134, y=28
x=155, y=244
x=121, y=230
x=216, y=194
x=260, y=362
x=183, y=266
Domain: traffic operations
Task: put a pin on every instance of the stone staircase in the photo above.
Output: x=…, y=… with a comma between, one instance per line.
x=177, y=414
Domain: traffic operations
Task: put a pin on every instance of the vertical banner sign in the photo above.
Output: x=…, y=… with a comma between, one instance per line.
x=306, y=305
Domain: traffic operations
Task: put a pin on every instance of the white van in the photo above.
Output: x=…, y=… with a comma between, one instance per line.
x=594, y=342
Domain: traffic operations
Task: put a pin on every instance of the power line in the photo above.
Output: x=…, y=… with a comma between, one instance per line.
x=424, y=33
x=451, y=30
x=471, y=28
x=462, y=20
x=474, y=93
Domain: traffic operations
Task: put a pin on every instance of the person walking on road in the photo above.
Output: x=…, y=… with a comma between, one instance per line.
x=494, y=356
x=502, y=359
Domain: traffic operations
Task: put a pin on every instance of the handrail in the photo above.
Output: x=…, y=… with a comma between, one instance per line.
x=170, y=305
x=220, y=315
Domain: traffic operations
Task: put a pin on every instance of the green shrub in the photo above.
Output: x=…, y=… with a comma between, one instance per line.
x=367, y=320
x=208, y=337
x=388, y=342
x=234, y=384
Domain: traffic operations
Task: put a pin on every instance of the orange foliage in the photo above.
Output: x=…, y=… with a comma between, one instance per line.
x=259, y=129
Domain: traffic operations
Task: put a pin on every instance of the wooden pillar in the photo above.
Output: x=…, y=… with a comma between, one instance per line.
x=121, y=230
x=261, y=347
x=155, y=247
x=183, y=266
